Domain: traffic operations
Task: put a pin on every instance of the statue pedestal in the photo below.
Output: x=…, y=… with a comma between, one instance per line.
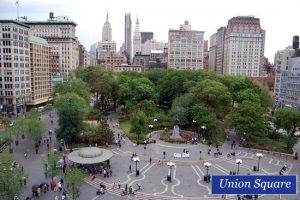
x=176, y=132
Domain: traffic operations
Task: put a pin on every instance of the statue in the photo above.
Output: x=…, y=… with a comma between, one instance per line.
x=176, y=130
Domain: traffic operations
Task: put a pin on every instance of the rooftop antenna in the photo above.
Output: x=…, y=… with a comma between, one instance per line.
x=17, y=4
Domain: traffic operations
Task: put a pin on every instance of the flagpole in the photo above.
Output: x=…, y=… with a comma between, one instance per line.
x=17, y=10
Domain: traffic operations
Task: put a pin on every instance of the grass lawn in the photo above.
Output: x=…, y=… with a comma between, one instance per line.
x=126, y=127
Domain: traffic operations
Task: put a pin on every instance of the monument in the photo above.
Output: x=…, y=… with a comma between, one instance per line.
x=176, y=130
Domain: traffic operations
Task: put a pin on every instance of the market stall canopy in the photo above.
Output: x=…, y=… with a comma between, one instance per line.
x=90, y=155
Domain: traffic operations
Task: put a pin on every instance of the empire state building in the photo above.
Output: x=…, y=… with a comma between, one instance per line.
x=106, y=31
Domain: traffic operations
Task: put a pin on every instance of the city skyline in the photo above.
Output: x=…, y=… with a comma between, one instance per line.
x=158, y=17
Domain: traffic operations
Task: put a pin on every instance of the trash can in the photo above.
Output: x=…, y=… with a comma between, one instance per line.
x=137, y=172
x=254, y=168
x=169, y=178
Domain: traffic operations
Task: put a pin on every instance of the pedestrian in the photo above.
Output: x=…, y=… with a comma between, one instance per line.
x=150, y=160
x=183, y=150
x=110, y=172
x=48, y=146
x=104, y=173
x=56, y=198
x=126, y=188
x=130, y=169
x=114, y=186
x=25, y=154
x=119, y=184
x=36, y=150
x=130, y=190
x=59, y=186
x=62, y=181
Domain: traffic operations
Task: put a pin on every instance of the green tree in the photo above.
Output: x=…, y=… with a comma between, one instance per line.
x=215, y=95
x=10, y=178
x=288, y=119
x=51, y=168
x=97, y=133
x=5, y=120
x=71, y=110
x=248, y=118
x=247, y=95
x=76, y=86
x=74, y=178
x=139, y=123
x=35, y=129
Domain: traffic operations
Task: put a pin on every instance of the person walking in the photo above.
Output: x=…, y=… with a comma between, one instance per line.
x=130, y=169
x=119, y=184
x=150, y=160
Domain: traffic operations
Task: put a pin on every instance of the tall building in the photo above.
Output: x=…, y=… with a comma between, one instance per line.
x=137, y=40
x=14, y=65
x=287, y=84
x=128, y=38
x=220, y=50
x=60, y=33
x=40, y=67
x=212, y=53
x=244, y=44
x=106, y=31
x=205, y=55
x=185, y=48
x=113, y=59
x=146, y=36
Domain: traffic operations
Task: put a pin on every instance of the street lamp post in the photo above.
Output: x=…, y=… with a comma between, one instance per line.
x=194, y=121
x=136, y=159
x=200, y=154
x=150, y=128
x=207, y=165
x=169, y=177
x=259, y=156
x=238, y=162
x=203, y=129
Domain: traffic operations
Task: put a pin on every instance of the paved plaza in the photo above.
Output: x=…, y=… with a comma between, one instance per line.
x=187, y=173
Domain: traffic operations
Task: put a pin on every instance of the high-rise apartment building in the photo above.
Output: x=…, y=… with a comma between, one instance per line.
x=152, y=45
x=106, y=31
x=185, y=48
x=137, y=40
x=128, y=38
x=40, y=67
x=59, y=32
x=244, y=45
x=238, y=49
x=14, y=66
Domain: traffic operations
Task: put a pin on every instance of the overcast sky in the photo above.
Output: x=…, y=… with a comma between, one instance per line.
x=279, y=18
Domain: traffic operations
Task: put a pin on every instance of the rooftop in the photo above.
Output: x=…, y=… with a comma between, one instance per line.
x=14, y=21
x=37, y=40
x=50, y=22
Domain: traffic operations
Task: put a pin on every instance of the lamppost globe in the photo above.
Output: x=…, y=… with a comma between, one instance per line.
x=207, y=165
x=203, y=127
x=194, y=121
x=155, y=120
x=238, y=162
x=150, y=126
x=259, y=156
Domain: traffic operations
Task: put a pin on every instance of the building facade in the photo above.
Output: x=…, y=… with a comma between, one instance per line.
x=212, y=53
x=244, y=44
x=185, y=48
x=15, y=89
x=40, y=68
x=60, y=33
x=128, y=38
x=137, y=40
x=152, y=45
x=125, y=67
x=113, y=59
x=103, y=48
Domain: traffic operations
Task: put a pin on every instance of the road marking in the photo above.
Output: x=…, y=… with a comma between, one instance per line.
x=220, y=169
x=200, y=178
x=200, y=170
x=165, y=190
x=96, y=197
x=270, y=162
x=178, y=183
x=175, y=147
x=226, y=170
x=143, y=174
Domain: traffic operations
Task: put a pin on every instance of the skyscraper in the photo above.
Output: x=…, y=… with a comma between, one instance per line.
x=146, y=36
x=137, y=40
x=106, y=31
x=128, y=38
